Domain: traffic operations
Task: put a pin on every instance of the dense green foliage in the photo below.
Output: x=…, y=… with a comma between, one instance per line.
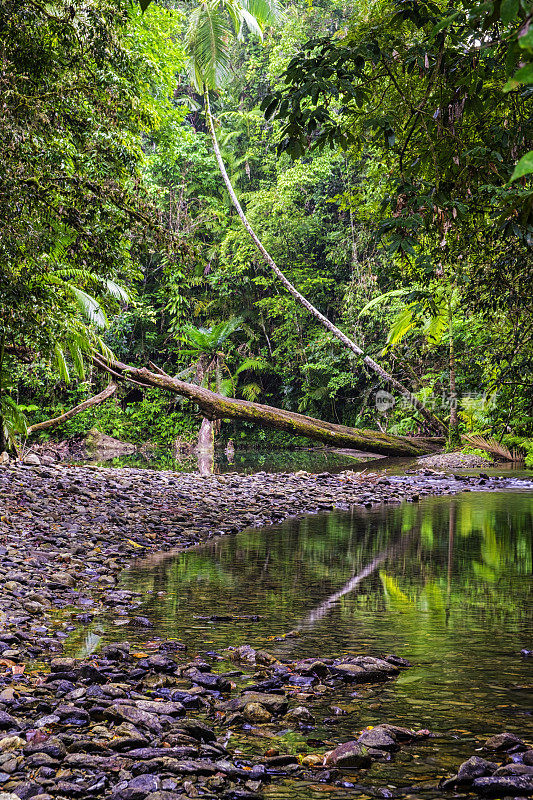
x=384, y=165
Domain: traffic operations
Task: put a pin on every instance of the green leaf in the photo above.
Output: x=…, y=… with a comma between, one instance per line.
x=207, y=41
x=524, y=166
x=378, y=300
x=508, y=11
x=270, y=109
x=526, y=41
x=144, y=4
x=523, y=75
x=401, y=325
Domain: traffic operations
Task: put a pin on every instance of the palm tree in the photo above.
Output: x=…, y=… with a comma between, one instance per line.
x=205, y=346
x=83, y=321
x=211, y=27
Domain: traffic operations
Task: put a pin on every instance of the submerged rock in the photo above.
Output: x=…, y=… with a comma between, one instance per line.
x=350, y=755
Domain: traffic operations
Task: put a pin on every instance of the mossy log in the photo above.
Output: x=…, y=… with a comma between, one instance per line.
x=216, y=406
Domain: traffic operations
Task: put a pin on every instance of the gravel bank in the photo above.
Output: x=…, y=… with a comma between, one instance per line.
x=449, y=461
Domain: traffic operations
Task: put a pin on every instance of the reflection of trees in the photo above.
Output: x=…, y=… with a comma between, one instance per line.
x=482, y=563
x=471, y=553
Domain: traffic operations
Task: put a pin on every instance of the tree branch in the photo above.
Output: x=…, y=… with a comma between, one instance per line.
x=92, y=401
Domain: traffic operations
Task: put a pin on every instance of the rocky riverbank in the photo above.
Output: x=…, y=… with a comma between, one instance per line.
x=155, y=724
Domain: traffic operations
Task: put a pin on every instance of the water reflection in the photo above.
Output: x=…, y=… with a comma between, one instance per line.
x=446, y=583
x=247, y=461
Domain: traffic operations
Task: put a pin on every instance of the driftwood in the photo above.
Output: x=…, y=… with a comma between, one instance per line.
x=92, y=401
x=216, y=406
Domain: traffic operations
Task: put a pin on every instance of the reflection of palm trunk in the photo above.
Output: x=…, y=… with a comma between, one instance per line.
x=324, y=608
x=454, y=439
x=451, y=538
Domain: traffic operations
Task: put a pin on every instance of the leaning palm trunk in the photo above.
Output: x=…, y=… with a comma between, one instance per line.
x=433, y=422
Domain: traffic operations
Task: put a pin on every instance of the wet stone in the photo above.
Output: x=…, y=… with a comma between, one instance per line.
x=512, y=786
x=350, y=755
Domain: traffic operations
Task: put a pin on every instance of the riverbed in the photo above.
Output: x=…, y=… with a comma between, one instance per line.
x=435, y=569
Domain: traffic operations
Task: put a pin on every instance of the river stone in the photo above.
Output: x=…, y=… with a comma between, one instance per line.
x=350, y=755
x=72, y=715
x=63, y=664
x=52, y=747
x=312, y=666
x=504, y=742
x=363, y=669
x=275, y=703
x=11, y=743
x=511, y=786
x=474, y=767
x=162, y=663
x=143, y=785
x=378, y=738
x=299, y=715
x=32, y=460
x=255, y=712
x=198, y=730
x=170, y=709
x=27, y=789
x=209, y=681
x=62, y=579
x=163, y=796
x=7, y=721
x=134, y=715
x=514, y=769
x=527, y=758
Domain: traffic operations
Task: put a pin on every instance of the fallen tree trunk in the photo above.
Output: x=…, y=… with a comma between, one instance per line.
x=216, y=406
x=92, y=401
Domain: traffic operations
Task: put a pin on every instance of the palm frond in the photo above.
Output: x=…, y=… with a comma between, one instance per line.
x=76, y=355
x=251, y=391
x=89, y=307
x=381, y=299
x=253, y=365
x=227, y=387
x=251, y=22
x=74, y=274
x=14, y=418
x=61, y=363
x=491, y=445
x=207, y=41
x=437, y=324
x=117, y=291
x=401, y=325
x=266, y=12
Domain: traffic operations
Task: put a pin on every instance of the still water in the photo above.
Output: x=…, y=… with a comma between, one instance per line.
x=447, y=584
x=246, y=462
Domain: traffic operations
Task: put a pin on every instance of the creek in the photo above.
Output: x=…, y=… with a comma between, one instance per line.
x=446, y=583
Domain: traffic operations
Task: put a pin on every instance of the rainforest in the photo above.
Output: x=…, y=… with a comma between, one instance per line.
x=266, y=399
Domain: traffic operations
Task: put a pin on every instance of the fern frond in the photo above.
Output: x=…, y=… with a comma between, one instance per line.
x=401, y=325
